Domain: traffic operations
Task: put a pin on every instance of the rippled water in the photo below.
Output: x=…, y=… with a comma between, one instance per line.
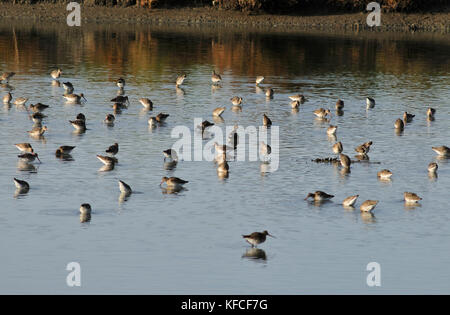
x=191, y=242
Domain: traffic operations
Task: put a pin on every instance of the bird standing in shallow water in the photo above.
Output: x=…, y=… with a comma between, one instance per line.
x=319, y=196
x=370, y=102
x=38, y=107
x=74, y=98
x=109, y=119
x=7, y=98
x=124, y=188
x=257, y=238
x=37, y=117
x=20, y=101
x=21, y=184
x=259, y=79
x=114, y=149
x=364, y=148
x=121, y=99
x=107, y=160
x=266, y=121
x=64, y=150
x=78, y=124
x=432, y=167
x=173, y=182
x=218, y=111
x=38, y=131
x=85, y=208
x=297, y=97
x=170, y=154
x=6, y=76
x=411, y=197
x=384, y=174
x=24, y=147
x=399, y=125
x=269, y=93
x=236, y=100
x=68, y=87
x=430, y=113
x=120, y=83
x=56, y=73
x=407, y=117
x=215, y=78
x=180, y=80
x=331, y=131
x=368, y=205
x=442, y=150
x=337, y=148
x=345, y=161
x=322, y=113
x=29, y=157
x=350, y=201
x=161, y=117
x=146, y=102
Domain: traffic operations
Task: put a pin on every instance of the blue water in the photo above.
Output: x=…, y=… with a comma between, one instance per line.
x=190, y=242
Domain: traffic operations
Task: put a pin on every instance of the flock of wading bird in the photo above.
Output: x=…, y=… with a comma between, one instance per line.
x=175, y=184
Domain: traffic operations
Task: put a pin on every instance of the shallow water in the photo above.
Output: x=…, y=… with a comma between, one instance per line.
x=190, y=243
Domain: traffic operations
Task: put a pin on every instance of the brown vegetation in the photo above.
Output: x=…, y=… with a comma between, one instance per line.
x=270, y=6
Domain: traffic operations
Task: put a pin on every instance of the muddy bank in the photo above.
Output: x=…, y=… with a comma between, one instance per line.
x=208, y=16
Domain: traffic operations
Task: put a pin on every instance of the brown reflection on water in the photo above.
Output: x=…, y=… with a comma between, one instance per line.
x=122, y=50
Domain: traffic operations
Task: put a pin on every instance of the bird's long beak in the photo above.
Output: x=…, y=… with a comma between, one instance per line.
x=38, y=159
x=85, y=98
x=271, y=235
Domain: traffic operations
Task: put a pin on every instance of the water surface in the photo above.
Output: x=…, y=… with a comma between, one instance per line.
x=190, y=243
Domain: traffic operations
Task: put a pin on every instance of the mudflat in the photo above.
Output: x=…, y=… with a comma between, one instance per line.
x=425, y=22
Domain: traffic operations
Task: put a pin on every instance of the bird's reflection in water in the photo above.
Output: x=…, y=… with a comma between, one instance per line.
x=106, y=168
x=26, y=167
x=349, y=208
x=215, y=87
x=332, y=138
x=236, y=108
x=180, y=92
x=7, y=107
x=222, y=175
x=172, y=190
x=79, y=132
x=258, y=90
x=120, y=92
x=85, y=217
x=144, y=111
x=362, y=157
x=412, y=206
x=170, y=165
x=443, y=158
x=339, y=112
x=7, y=87
x=368, y=217
x=344, y=172
x=319, y=203
x=65, y=157
x=124, y=196
x=265, y=168
x=432, y=176
x=21, y=191
x=295, y=111
x=56, y=83
x=256, y=254
x=218, y=120
x=321, y=121
x=398, y=132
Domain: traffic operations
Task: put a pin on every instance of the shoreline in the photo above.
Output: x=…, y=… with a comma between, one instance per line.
x=208, y=16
